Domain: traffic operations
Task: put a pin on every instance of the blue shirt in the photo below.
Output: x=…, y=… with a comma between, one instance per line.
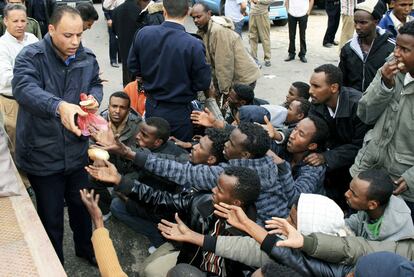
x=171, y=62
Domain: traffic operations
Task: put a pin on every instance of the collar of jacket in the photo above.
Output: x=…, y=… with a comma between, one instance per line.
x=382, y=38
x=173, y=25
x=344, y=109
x=79, y=55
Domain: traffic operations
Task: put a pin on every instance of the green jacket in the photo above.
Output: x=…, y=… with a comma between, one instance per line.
x=390, y=144
x=347, y=250
x=32, y=27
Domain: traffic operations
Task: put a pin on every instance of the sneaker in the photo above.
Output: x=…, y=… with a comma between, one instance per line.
x=105, y=217
x=267, y=63
x=152, y=249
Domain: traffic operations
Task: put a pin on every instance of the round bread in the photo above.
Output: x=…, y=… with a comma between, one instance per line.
x=98, y=154
x=400, y=65
x=86, y=102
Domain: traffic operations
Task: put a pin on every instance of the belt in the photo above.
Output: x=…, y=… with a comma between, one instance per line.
x=7, y=96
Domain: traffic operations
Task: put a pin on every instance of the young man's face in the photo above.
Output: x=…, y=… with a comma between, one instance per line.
x=16, y=21
x=356, y=196
x=300, y=140
x=365, y=24
x=234, y=147
x=87, y=24
x=293, y=94
x=320, y=91
x=223, y=192
x=200, y=17
x=118, y=110
x=147, y=137
x=234, y=100
x=402, y=8
x=67, y=34
x=294, y=113
x=404, y=52
x=201, y=152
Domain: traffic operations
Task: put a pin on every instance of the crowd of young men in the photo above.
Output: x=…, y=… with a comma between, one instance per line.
x=204, y=163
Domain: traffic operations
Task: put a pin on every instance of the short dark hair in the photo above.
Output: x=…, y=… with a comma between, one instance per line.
x=257, y=142
x=60, y=11
x=322, y=132
x=202, y=4
x=121, y=94
x=13, y=7
x=244, y=92
x=332, y=72
x=303, y=89
x=218, y=137
x=87, y=12
x=407, y=29
x=162, y=125
x=176, y=8
x=304, y=106
x=247, y=189
x=380, y=187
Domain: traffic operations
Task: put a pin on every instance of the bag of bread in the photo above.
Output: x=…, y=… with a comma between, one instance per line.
x=97, y=121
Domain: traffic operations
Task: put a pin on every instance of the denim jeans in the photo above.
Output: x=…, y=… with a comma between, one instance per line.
x=238, y=27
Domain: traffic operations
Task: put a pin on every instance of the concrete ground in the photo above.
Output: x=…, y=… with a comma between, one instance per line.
x=273, y=86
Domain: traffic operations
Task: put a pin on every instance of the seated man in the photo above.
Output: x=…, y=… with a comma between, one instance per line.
x=309, y=136
x=230, y=61
x=337, y=105
x=246, y=147
x=296, y=90
x=395, y=18
x=388, y=103
x=32, y=26
x=366, y=52
x=124, y=123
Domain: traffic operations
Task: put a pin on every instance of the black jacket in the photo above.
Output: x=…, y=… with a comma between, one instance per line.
x=300, y=262
x=358, y=72
x=346, y=130
x=196, y=208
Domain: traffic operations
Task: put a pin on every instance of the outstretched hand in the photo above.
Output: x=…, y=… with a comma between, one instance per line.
x=234, y=215
x=106, y=140
x=282, y=227
x=204, y=118
x=90, y=200
x=107, y=173
x=175, y=231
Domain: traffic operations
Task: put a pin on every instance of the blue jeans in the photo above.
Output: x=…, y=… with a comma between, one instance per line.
x=136, y=223
x=238, y=27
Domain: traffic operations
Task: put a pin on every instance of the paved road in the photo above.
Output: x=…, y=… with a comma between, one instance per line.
x=273, y=86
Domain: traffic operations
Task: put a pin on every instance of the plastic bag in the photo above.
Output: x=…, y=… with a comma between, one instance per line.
x=97, y=121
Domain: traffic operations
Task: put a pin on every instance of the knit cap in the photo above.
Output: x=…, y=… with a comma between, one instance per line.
x=375, y=7
x=383, y=264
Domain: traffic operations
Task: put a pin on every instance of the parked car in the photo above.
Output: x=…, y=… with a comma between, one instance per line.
x=277, y=10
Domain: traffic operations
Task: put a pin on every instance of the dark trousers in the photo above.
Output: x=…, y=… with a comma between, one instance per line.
x=333, y=10
x=50, y=192
x=303, y=24
x=139, y=221
x=177, y=115
x=113, y=46
x=126, y=76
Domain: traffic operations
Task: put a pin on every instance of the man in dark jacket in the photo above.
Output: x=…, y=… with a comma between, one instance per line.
x=237, y=185
x=49, y=77
x=337, y=105
x=41, y=10
x=362, y=56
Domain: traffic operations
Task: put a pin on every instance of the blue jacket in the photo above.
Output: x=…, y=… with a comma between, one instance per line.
x=387, y=24
x=272, y=200
x=41, y=80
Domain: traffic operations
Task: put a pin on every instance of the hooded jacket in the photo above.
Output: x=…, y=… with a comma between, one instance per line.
x=359, y=71
x=41, y=81
x=230, y=61
x=397, y=223
x=387, y=24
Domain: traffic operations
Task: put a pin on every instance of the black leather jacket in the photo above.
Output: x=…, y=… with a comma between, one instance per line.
x=196, y=209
